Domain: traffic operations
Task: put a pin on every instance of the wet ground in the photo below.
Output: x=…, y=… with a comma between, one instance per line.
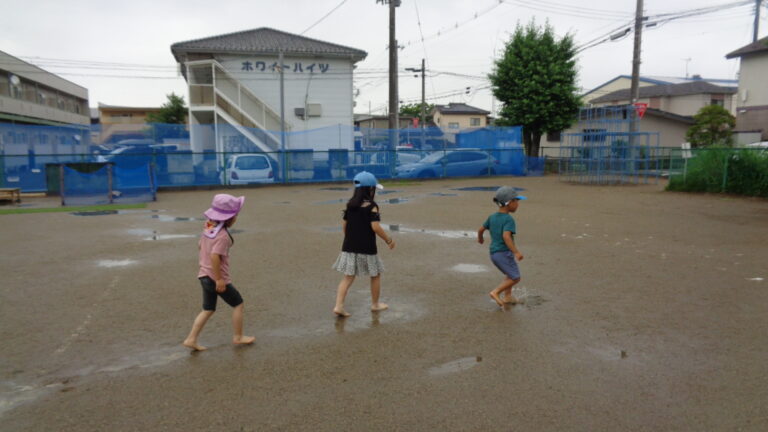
x=644, y=310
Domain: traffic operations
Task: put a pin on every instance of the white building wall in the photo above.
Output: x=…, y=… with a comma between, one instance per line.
x=329, y=85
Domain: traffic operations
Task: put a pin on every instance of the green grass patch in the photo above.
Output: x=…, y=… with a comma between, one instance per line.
x=22, y=210
x=724, y=170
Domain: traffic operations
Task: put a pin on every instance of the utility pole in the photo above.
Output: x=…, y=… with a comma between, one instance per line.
x=635, y=89
x=393, y=96
x=282, y=116
x=423, y=95
x=756, y=25
x=423, y=116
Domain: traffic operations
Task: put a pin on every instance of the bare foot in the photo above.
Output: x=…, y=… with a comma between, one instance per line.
x=341, y=313
x=243, y=340
x=194, y=346
x=496, y=298
x=379, y=307
x=511, y=300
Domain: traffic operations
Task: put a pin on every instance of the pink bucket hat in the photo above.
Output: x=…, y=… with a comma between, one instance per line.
x=224, y=207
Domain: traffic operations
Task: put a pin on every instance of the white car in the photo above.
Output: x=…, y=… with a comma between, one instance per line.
x=249, y=168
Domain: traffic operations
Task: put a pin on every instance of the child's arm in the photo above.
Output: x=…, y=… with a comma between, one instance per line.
x=221, y=284
x=509, y=240
x=480, y=233
x=376, y=226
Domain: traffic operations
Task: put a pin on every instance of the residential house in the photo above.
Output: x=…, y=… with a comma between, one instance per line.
x=237, y=86
x=752, y=100
x=623, y=82
x=382, y=121
x=457, y=116
x=121, y=122
x=670, y=112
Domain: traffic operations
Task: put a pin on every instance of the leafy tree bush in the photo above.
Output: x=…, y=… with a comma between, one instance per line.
x=714, y=127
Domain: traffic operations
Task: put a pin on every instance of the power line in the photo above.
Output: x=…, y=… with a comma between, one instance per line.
x=324, y=17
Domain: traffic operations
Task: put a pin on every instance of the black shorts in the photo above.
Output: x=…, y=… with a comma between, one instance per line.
x=230, y=295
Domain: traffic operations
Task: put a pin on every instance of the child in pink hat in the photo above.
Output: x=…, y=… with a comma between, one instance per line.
x=214, y=245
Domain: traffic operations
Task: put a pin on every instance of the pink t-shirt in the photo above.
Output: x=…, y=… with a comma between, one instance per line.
x=218, y=245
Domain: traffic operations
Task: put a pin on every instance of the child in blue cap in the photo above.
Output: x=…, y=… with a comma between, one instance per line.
x=358, y=252
x=504, y=252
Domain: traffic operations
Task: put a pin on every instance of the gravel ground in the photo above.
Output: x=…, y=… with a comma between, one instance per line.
x=645, y=310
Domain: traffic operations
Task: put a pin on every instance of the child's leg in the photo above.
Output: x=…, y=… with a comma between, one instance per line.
x=503, y=286
x=375, y=292
x=341, y=294
x=509, y=297
x=197, y=327
x=237, y=326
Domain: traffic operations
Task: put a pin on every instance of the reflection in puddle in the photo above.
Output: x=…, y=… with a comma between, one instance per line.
x=443, y=194
x=441, y=233
x=362, y=319
x=469, y=268
x=397, y=200
x=459, y=365
x=386, y=191
x=115, y=263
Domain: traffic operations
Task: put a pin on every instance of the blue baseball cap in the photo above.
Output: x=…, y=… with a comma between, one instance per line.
x=366, y=179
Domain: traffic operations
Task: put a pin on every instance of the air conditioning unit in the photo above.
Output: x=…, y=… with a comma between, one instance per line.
x=313, y=110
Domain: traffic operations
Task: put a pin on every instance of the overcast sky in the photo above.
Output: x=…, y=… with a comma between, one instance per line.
x=460, y=36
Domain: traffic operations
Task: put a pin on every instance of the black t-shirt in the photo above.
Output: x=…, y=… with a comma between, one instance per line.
x=359, y=236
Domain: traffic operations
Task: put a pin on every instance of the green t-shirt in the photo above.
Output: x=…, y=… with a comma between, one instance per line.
x=497, y=223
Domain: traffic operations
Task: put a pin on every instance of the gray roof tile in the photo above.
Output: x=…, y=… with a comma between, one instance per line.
x=265, y=40
x=689, y=88
x=757, y=46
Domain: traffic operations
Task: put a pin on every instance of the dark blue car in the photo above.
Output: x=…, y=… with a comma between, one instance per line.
x=455, y=163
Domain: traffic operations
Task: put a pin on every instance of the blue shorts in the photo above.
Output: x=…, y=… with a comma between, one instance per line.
x=505, y=261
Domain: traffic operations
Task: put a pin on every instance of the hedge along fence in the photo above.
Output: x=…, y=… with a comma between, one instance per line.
x=723, y=170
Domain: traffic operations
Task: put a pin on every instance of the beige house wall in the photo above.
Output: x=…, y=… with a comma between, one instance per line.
x=464, y=120
x=671, y=134
x=753, y=80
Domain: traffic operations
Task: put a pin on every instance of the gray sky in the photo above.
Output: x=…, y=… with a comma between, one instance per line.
x=108, y=37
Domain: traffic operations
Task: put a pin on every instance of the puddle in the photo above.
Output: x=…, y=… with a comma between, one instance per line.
x=442, y=194
x=362, y=319
x=339, y=188
x=529, y=298
x=757, y=279
x=336, y=201
x=484, y=188
x=110, y=212
x=115, y=263
x=459, y=365
x=149, y=359
x=156, y=236
x=386, y=191
x=442, y=233
x=469, y=268
x=397, y=200
x=95, y=213
x=167, y=218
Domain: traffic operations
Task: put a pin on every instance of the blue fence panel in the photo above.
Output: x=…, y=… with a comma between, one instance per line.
x=133, y=185
x=85, y=188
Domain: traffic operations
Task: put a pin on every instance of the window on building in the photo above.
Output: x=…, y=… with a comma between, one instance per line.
x=5, y=84
x=716, y=102
x=474, y=121
x=594, y=135
x=553, y=136
x=453, y=125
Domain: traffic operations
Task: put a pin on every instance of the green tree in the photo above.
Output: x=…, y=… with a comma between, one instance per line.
x=414, y=110
x=535, y=80
x=172, y=112
x=713, y=126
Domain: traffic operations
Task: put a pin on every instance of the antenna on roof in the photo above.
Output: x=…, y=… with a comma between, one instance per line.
x=686, y=60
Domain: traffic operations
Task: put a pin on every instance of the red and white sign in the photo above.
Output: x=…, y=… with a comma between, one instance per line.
x=640, y=107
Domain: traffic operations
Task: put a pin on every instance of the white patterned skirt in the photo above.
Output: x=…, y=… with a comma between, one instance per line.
x=356, y=264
